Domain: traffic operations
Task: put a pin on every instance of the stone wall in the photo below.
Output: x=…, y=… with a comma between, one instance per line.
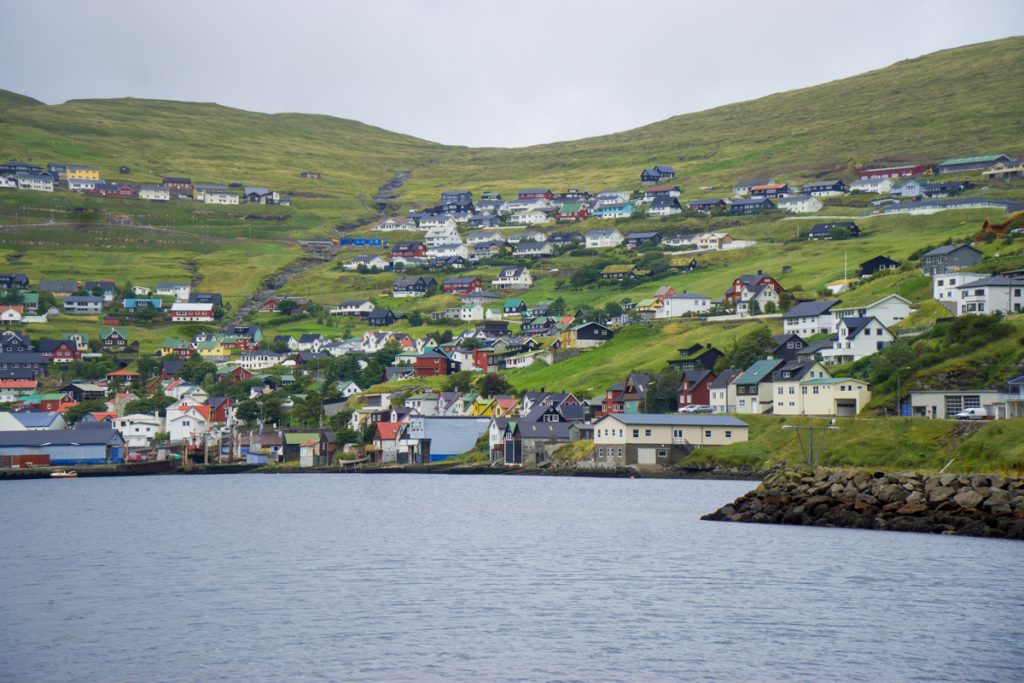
x=975, y=505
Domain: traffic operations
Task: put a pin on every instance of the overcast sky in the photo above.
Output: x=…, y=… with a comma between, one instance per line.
x=473, y=73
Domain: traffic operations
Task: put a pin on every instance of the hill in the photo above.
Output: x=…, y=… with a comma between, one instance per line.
x=956, y=102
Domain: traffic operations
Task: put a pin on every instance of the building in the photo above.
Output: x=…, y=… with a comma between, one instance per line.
x=707, y=205
x=612, y=211
x=40, y=182
x=461, y=285
x=834, y=231
x=749, y=206
x=949, y=257
x=138, y=430
x=857, y=338
x=83, y=305
x=888, y=310
x=413, y=286
x=824, y=188
x=657, y=174
x=872, y=185
x=353, y=307
x=643, y=439
x=686, y=303
x=722, y=391
x=221, y=197
x=947, y=403
x=754, y=387
x=435, y=363
x=513, y=277
x=585, y=336
x=906, y=171
x=694, y=389
x=833, y=396
x=800, y=204
x=603, y=239
x=87, y=446
x=635, y=240
x=742, y=188
x=156, y=193
x=771, y=190
x=877, y=264
x=809, y=318
x=993, y=294
x=181, y=312
x=179, y=290
x=971, y=163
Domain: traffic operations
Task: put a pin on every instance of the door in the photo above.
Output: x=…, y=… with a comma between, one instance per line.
x=846, y=408
x=646, y=456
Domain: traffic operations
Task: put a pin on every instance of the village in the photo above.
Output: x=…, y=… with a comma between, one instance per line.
x=388, y=397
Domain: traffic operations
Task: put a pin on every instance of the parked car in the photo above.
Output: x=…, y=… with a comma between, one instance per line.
x=972, y=414
x=697, y=409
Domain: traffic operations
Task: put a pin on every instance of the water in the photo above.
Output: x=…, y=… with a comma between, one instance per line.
x=474, y=578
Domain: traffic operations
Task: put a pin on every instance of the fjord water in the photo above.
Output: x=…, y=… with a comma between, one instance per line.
x=471, y=578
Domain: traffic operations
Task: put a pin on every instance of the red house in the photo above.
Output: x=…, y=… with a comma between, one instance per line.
x=59, y=350
x=220, y=408
x=409, y=250
x=269, y=306
x=573, y=211
x=892, y=172
x=434, y=363
x=695, y=388
x=482, y=358
x=238, y=374
x=750, y=283
x=461, y=285
x=535, y=194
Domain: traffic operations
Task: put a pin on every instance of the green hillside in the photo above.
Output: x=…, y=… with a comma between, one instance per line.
x=956, y=102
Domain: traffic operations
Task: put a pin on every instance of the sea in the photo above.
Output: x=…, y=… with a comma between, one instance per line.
x=411, y=577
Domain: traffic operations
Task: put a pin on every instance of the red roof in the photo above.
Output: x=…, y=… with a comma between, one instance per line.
x=772, y=186
x=122, y=373
x=388, y=430
x=101, y=415
x=19, y=309
x=18, y=384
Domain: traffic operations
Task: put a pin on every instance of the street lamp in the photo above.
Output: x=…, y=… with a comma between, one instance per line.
x=809, y=451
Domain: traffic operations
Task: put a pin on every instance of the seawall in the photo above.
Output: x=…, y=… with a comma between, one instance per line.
x=976, y=505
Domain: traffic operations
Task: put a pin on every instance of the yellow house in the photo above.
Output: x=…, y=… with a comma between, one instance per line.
x=75, y=172
x=172, y=346
x=838, y=396
x=212, y=349
x=585, y=336
x=788, y=398
x=482, y=407
x=644, y=439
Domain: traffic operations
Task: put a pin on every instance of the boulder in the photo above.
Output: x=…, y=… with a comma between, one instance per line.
x=947, y=479
x=996, y=482
x=915, y=498
x=968, y=499
x=892, y=493
x=912, y=509
x=940, y=494
x=997, y=497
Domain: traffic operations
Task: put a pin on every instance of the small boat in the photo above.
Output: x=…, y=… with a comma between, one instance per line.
x=63, y=474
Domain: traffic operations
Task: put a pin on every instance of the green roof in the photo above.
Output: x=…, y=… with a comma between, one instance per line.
x=173, y=343
x=515, y=302
x=619, y=268
x=972, y=160
x=832, y=380
x=571, y=207
x=297, y=438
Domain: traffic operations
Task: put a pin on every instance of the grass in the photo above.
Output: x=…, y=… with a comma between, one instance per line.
x=894, y=444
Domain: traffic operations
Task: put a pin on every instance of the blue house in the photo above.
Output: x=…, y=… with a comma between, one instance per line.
x=137, y=303
x=84, y=446
x=615, y=210
x=657, y=174
x=748, y=206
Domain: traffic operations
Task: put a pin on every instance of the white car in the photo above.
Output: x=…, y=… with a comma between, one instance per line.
x=972, y=414
x=696, y=409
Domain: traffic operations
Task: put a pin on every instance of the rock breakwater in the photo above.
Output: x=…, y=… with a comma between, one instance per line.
x=975, y=505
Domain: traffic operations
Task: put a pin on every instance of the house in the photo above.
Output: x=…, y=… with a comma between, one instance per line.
x=177, y=183
x=13, y=390
x=412, y=286
x=408, y=250
x=787, y=346
x=392, y=224
x=310, y=341
x=877, y=264
x=369, y=262
x=435, y=363
x=35, y=420
x=585, y=336
x=683, y=304
x=487, y=220
x=573, y=211
x=1005, y=169
x=971, y=163
x=536, y=194
x=993, y=294
x=534, y=249
x=136, y=304
x=834, y=396
x=722, y=391
x=908, y=188
x=808, y=318
x=179, y=290
x=641, y=439
x=742, y=188
x=83, y=391
x=113, y=339
x=824, y=188
x=381, y=317
x=872, y=185
x=155, y=193
x=707, y=205
x=188, y=424
x=667, y=191
x=514, y=307
x=461, y=285
x=81, y=184
x=713, y=241
x=620, y=272
x=534, y=217
x=83, y=305
x=513, y=277
x=950, y=257
x=105, y=288
x=39, y=182
x=93, y=446
x=754, y=387
x=610, y=211
x=353, y=307
x=749, y=206
x=216, y=299
x=635, y=240
x=800, y=204
x=696, y=357
x=439, y=227
x=59, y=350
x=888, y=310
x=603, y=239
x=747, y=287
x=857, y=338
x=138, y=430
x=185, y=312
x=665, y=206
x=892, y=172
x=694, y=389
x=657, y=174
x=483, y=237
x=14, y=281
x=11, y=314
x=221, y=197
x=936, y=190
x=14, y=341
x=59, y=288
x=771, y=190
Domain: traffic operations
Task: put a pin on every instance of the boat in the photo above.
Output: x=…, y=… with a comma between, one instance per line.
x=62, y=473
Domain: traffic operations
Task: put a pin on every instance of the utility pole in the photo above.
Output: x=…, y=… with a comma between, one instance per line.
x=809, y=451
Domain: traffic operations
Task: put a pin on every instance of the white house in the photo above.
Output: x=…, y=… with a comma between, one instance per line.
x=183, y=312
x=138, y=430
x=712, y=241
x=888, y=310
x=857, y=338
x=603, y=239
x=945, y=286
x=800, y=204
x=444, y=221
x=994, y=294
x=371, y=261
x=907, y=188
x=513, y=277
x=220, y=197
x=534, y=217
x=82, y=184
x=446, y=233
x=179, y=290
x=809, y=317
x=11, y=314
x=683, y=304
x=156, y=193
x=188, y=425
x=872, y=185
x=396, y=224
x=484, y=236
x=41, y=182
x=448, y=250
x=255, y=361
x=360, y=307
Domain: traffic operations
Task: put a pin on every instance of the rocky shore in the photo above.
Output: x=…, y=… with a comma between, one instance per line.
x=975, y=505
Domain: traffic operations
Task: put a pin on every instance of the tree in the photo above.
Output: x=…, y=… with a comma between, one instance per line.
x=76, y=412
x=492, y=384
x=157, y=403
x=415, y=319
x=248, y=411
x=287, y=306
x=308, y=411
x=662, y=392
x=752, y=347
x=195, y=369
x=612, y=310
x=770, y=307
x=557, y=307
x=460, y=381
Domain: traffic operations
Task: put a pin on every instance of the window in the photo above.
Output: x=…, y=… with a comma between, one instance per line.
x=815, y=390
x=728, y=433
x=647, y=432
x=707, y=433
x=792, y=390
x=636, y=433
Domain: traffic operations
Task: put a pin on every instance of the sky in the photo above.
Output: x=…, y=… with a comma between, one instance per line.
x=483, y=73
